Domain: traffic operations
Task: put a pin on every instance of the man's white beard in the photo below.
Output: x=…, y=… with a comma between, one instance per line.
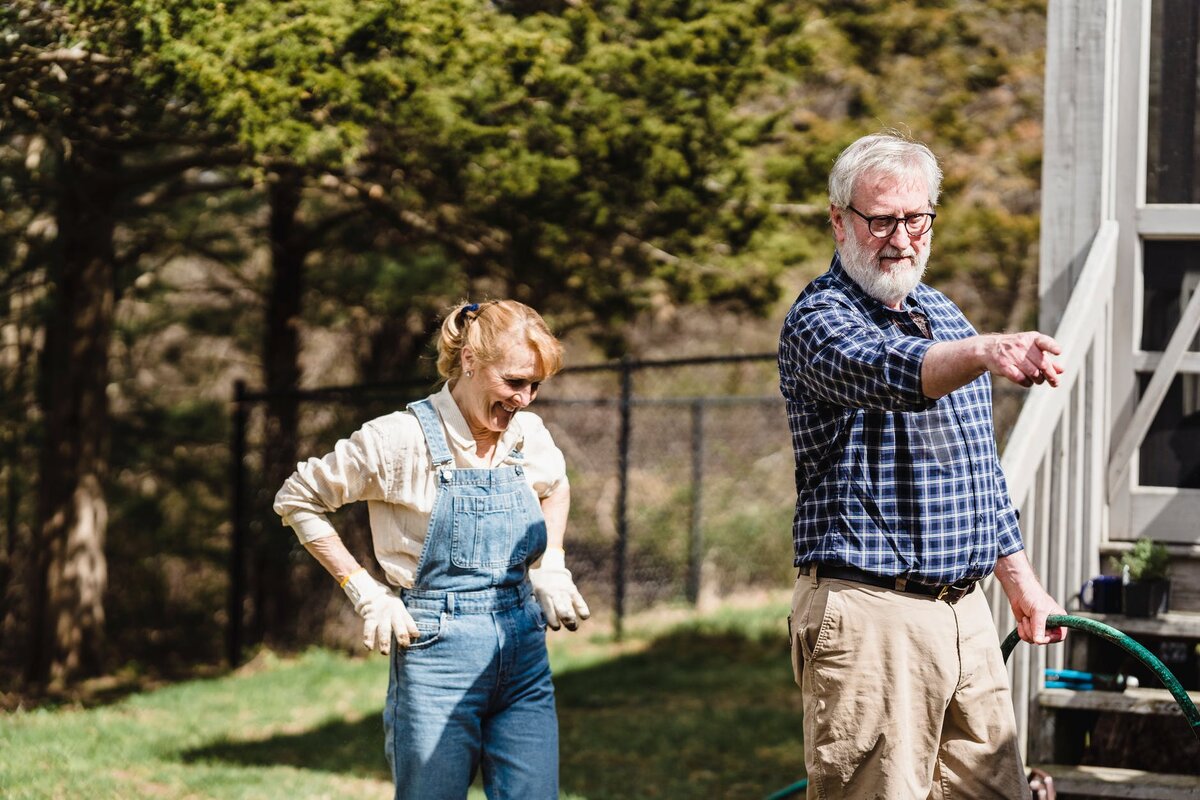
x=887, y=286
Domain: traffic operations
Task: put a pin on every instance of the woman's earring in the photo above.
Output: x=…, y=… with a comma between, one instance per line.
x=470, y=373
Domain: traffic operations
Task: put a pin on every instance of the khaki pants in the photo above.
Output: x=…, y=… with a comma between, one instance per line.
x=905, y=697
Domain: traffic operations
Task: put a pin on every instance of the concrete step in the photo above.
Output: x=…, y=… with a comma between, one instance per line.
x=1084, y=781
x=1130, y=701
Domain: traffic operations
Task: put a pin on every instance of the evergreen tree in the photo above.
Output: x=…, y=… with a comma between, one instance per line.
x=90, y=131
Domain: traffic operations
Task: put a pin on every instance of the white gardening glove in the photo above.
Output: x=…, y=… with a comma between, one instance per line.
x=383, y=613
x=552, y=585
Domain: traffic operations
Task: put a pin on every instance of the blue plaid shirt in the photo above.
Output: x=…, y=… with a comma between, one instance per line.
x=888, y=480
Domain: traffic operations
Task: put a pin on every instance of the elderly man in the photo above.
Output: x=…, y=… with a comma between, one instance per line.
x=902, y=507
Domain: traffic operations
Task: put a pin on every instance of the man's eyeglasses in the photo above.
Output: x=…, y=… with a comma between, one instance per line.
x=884, y=226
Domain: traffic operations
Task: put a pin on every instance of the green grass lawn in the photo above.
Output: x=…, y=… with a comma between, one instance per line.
x=685, y=706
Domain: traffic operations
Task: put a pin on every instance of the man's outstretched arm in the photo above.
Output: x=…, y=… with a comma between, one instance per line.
x=1023, y=358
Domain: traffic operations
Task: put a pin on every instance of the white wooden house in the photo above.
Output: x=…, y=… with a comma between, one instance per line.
x=1114, y=454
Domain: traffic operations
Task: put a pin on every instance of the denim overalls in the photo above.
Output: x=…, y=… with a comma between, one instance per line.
x=475, y=686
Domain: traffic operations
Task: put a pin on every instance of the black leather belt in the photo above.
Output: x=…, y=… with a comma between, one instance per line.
x=950, y=592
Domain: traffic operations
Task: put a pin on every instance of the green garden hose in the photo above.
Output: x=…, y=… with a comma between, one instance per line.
x=1128, y=645
x=790, y=791
x=1104, y=632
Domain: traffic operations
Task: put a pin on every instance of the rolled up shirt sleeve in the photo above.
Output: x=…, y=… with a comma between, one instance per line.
x=357, y=469
x=843, y=359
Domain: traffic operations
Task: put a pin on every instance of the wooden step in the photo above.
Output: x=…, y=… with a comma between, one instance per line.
x=1130, y=701
x=1181, y=624
x=1113, y=782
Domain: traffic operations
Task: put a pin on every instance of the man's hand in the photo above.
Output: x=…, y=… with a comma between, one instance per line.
x=1030, y=602
x=383, y=613
x=1031, y=609
x=555, y=591
x=1023, y=358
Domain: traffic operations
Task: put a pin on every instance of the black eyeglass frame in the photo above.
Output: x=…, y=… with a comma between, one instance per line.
x=893, y=222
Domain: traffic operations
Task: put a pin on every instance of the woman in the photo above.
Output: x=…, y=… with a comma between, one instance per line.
x=465, y=491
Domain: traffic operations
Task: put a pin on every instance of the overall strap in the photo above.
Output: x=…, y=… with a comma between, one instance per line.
x=435, y=437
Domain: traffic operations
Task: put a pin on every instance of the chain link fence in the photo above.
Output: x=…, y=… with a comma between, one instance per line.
x=681, y=475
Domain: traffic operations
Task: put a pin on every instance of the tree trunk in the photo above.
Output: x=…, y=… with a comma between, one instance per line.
x=275, y=603
x=396, y=346
x=12, y=499
x=18, y=399
x=70, y=572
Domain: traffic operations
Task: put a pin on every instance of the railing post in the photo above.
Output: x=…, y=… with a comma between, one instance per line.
x=622, y=549
x=237, y=543
x=696, y=536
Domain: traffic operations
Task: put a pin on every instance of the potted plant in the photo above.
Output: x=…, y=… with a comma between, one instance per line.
x=1145, y=590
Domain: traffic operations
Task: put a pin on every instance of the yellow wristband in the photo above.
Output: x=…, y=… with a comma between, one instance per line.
x=342, y=583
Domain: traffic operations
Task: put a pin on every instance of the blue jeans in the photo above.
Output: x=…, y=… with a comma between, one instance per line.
x=473, y=690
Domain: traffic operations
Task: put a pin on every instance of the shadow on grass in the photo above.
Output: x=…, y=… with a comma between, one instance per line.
x=697, y=714
x=98, y=692
x=350, y=748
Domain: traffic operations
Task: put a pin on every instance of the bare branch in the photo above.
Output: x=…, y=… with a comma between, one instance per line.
x=170, y=167
x=650, y=251
x=374, y=197
x=798, y=209
x=176, y=190
x=75, y=54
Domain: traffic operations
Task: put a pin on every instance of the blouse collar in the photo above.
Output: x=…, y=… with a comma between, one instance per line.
x=459, y=432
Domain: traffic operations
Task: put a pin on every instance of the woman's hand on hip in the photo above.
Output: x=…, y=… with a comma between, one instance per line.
x=383, y=613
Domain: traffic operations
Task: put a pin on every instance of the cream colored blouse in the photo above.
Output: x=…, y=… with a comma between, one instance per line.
x=386, y=463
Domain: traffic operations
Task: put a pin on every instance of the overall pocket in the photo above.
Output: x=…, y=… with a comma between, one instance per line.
x=430, y=623
x=533, y=610
x=489, y=531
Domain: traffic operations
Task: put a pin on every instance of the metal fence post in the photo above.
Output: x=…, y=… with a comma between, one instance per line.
x=696, y=535
x=237, y=543
x=622, y=550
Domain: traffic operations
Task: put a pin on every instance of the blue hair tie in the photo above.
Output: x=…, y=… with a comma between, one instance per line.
x=473, y=307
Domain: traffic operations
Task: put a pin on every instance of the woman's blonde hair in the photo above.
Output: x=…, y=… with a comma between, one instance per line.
x=489, y=329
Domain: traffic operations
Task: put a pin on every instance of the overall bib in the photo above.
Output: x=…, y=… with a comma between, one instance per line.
x=474, y=689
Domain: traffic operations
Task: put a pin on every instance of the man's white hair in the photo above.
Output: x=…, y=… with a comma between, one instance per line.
x=887, y=153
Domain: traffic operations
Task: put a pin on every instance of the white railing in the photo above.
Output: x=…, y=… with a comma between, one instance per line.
x=1056, y=462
